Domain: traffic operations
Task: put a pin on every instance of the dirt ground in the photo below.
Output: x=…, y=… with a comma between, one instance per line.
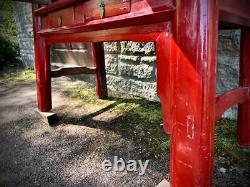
x=70, y=154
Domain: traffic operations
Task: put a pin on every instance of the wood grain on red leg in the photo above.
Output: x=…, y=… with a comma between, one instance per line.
x=243, y=126
x=99, y=61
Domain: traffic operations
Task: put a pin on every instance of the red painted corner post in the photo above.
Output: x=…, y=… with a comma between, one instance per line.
x=99, y=62
x=192, y=52
x=165, y=64
x=243, y=126
x=42, y=68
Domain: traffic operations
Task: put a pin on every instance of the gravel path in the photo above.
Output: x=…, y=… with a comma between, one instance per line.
x=70, y=154
x=34, y=154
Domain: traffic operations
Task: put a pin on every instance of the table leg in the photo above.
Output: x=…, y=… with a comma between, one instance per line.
x=186, y=77
x=99, y=61
x=43, y=79
x=243, y=126
x=42, y=68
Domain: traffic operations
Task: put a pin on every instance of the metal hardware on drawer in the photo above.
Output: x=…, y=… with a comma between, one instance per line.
x=59, y=20
x=124, y=8
x=101, y=8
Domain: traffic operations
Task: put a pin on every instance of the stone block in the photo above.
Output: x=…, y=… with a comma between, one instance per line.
x=126, y=70
x=229, y=43
x=111, y=64
x=144, y=71
x=129, y=47
x=227, y=73
x=49, y=118
x=118, y=83
x=144, y=89
x=112, y=47
x=129, y=59
x=149, y=48
x=148, y=60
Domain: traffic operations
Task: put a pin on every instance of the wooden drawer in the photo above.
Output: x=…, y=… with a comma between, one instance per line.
x=98, y=9
x=61, y=18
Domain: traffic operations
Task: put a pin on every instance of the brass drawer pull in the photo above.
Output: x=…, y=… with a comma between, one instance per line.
x=101, y=8
x=59, y=20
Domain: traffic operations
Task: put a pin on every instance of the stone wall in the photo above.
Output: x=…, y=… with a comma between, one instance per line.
x=130, y=65
x=23, y=17
x=228, y=64
x=130, y=68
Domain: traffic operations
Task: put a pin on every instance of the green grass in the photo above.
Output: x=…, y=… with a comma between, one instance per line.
x=226, y=146
x=141, y=119
x=22, y=75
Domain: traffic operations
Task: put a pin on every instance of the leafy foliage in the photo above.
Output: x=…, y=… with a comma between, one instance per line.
x=9, y=49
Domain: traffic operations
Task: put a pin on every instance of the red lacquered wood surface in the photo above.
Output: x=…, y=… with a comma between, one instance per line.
x=61, y=18
x=229, y=99
x=91, y=9
x=166, y=69
x=55, y=6
x=141, y=12
x=192, y=131
x=235, y=12
x=136, y=5
x=135, y=33
x=99, y=62
x=185, y=33
x=42, y=67
x=243, y=126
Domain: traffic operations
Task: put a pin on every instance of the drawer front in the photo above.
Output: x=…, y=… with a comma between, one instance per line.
x=61, y=18
x=98, y=9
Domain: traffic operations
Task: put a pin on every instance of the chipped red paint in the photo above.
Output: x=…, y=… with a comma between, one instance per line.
x=185, y=33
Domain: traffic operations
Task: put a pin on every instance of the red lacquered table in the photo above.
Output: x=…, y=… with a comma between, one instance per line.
x=185, y=35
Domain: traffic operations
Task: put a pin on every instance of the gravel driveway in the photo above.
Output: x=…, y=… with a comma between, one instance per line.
x=70, y=154
x=34, y=154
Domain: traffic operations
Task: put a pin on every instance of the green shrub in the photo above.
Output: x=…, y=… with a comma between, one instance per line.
x=9, y=49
